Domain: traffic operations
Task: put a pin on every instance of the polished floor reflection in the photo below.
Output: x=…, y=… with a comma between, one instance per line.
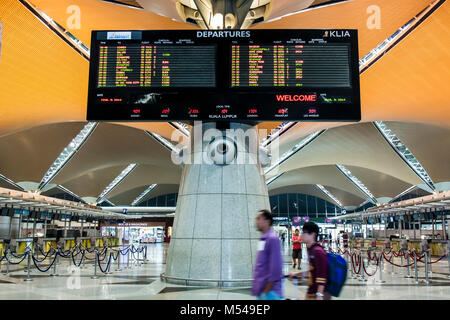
x=143, y=282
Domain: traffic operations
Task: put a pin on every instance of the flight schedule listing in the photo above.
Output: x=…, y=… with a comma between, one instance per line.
x=297, y=65
x=224, y=75
x=146, y=65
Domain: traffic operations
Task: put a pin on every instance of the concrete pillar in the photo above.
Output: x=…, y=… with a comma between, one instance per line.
x=214, y=235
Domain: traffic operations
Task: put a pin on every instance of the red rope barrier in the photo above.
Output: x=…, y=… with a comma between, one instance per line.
x=397, y=265
x=431, y=262
x=357, y=263
x=364, y=268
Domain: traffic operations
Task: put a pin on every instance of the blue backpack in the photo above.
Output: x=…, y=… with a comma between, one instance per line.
x=337, y=274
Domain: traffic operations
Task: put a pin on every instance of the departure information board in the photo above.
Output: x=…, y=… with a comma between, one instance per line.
x=156, y=66
x=234, y=75
x=290, y=66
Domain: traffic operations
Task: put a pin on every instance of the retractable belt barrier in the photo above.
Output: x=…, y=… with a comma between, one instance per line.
x=53, y=254
x=358, y=265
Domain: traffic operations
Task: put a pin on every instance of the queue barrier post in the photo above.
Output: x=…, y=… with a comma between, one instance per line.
x=83, y=266
x=361, y=268
x=355, y=275
x=401, y=258
x=348, y=263
x=28, y=278
x=426, y=268
x=380, y=269
x=54, y=264
x=7, y=263
x=128, y=257
x=415, y=267
x=431, y=266
x=138, y=261
x=145, y=255
x=448, y=259
x=95, y=264
x=409, y=267
x=392, y=264
x=352, y=266
x=118, y=260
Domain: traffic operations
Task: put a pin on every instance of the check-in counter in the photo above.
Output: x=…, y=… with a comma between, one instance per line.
x=85, y=242
x=23, y=243
x=438, y=247
x=48, y=244
x=69, y=243
x=99, y=243
x=113, y=241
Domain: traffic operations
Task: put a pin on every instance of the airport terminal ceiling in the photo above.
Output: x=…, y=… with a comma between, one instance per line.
x=44, y=105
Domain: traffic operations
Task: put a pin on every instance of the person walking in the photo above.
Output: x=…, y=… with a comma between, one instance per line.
x=268, y=274
x=318, y=264
x=296, y=249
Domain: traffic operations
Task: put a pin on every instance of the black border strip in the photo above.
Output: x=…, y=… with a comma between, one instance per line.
x=421, y=20
x=57, y=32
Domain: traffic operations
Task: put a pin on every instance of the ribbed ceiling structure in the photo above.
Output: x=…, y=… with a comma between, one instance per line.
x=43, y=103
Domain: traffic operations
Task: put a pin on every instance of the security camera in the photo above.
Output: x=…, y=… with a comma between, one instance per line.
x=222, y=151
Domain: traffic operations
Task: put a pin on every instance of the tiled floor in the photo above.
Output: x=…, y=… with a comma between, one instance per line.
x=143, y=282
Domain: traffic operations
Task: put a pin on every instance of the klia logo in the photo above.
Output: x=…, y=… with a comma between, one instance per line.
x=336, y=34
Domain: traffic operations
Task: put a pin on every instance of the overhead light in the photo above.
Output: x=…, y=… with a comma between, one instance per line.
x=143, y=194
x=273, y=178
x=230, y=21
x=69, y=192
x=394, y=38
x=217, y=21
x=116, y=181
x=2, y=177
x=403, y=193
x=357, y=182
x=328, y=193
x=181, y=127
x=162, y=141
x=108, y=201
x=404, y=153
x=277, y=132
x=303, y=143
x=67, y=153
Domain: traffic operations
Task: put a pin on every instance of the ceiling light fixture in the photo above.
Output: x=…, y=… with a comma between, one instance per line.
x=143, y=194
x=116, y=181
x=357, y=182
x=404, y=153
x=67, y=153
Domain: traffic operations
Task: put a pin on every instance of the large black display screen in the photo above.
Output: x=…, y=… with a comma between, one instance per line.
x=242, y=75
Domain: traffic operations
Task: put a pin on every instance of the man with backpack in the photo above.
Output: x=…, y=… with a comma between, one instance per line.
x=318, y=264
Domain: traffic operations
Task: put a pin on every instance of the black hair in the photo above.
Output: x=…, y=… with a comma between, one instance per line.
x=267, y=215
x=311, y=227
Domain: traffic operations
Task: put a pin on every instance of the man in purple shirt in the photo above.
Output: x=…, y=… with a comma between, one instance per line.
x=267, y=275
